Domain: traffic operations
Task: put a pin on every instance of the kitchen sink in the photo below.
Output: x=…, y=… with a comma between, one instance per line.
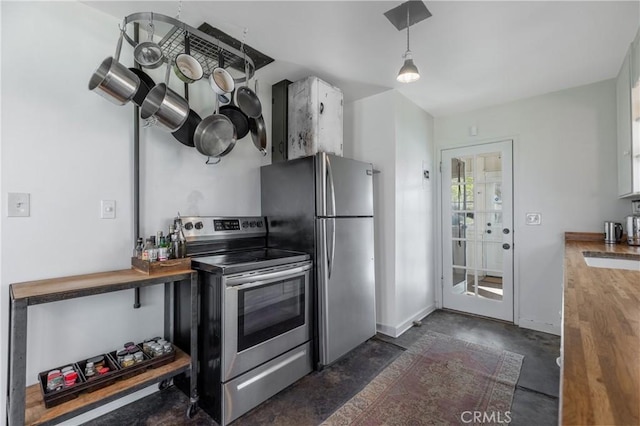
x=612, y=261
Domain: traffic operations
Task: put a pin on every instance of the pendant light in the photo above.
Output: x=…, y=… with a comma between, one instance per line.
x=409, y=72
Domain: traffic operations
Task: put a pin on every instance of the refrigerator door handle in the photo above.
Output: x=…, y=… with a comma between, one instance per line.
x=333, y=246
x=333, y=188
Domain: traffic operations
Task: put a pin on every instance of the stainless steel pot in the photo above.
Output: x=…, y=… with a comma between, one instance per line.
x=612, y=232
x=168, y=109
x=148, y=54
x=113, y=81
x=633, y=230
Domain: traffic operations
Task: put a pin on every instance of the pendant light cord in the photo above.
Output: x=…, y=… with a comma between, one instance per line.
x=408, y=4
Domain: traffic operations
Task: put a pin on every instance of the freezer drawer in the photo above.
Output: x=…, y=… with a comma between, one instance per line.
x=247, y=391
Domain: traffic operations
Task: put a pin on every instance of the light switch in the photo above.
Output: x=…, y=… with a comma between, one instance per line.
x=18, y=204
x=108, y=209
x=533, y=218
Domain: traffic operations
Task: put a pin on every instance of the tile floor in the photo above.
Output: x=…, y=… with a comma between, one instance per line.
x=313, y=398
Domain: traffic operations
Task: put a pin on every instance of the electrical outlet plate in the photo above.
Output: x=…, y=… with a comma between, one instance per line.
x=18, y=204
x=107, y=209
x=533, y=218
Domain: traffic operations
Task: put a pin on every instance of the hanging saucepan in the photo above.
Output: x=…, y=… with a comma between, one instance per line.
x=168, y=109
x=186, y=67
x=215, y=136
x=238, y=118
x=148, y=54
x=186, y=132
x=220, y=80
x=246, y=98
x=146, y=84
x=112, y=80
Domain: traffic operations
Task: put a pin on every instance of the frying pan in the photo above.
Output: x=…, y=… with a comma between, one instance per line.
x=185, y=134
x=258, y=134
x=146, y=84
x=148, y=54
x=238, y=118
x=246, y=98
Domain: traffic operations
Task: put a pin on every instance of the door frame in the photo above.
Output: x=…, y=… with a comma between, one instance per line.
x=438, y=222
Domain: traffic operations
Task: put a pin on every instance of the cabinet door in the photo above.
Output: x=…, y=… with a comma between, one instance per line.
x=329, y=118
x=624, y=154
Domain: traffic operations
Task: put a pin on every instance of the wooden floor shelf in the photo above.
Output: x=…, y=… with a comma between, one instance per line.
x=25, y=405
x=37, y=414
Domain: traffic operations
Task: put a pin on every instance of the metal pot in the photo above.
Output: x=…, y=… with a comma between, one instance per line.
x=215, y=136
x=246, y=99
x=633, y=230
x=168, y=109
x=113, y=81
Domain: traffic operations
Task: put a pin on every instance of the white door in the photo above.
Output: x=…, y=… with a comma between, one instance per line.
x=477, y=229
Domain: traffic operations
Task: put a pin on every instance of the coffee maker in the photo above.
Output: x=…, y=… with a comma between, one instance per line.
x=633, y=225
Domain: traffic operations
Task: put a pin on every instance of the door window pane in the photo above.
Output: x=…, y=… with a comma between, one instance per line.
x=489, y=286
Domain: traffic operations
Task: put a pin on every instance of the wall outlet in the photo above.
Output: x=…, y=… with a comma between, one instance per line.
x=107, y=209
x=18, y=204
x=533, y=218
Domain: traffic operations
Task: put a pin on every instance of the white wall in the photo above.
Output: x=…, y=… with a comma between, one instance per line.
x=415, y=201
x=70, y=148
x=564, y=167
x=396, y=136
x=369, y=135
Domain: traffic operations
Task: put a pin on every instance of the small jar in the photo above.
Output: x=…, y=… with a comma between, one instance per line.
x=146, y=346
x=128, y=361
x=66, y=369
x=89, y=370
x=138, y=357
x=157, y=350
x=103, y=370
x=121, y=354
x=97, y=361
x=55, y=380
x=129, y=345
x=162, y=342
x=167, y=348
x=70, y=378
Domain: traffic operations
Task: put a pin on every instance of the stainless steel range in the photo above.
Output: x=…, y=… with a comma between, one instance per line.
x=254, y=329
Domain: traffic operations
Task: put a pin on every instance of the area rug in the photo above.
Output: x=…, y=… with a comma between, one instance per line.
x=439, y=380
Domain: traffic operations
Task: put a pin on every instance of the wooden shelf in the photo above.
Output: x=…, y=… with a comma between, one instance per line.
x=37, y=414
x=50, y=290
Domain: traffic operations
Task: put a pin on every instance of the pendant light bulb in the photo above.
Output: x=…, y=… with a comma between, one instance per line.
x=409, y=72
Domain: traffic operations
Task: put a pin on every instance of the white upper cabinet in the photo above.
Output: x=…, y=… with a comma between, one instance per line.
x=628, y=122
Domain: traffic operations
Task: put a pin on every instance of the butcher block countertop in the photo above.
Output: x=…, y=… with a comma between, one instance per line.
x=600, y=376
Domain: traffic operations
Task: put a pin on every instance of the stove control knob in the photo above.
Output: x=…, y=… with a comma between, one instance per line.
x=252, y=224
x=245, y=224
x=188, y=226
x=259, y=223
x=199, y=225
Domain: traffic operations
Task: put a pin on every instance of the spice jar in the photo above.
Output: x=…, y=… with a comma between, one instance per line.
x=156, y=350
x=70, y=378
x=167, y=348
x=128, y=361
x=120, y=355
x=89, y=370
x=55, y=380
x=138, y=357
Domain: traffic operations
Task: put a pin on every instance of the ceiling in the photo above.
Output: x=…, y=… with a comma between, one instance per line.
x=471, y=54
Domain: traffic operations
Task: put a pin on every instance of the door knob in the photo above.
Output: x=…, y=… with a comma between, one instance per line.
x=488, y=231
x=506, y=246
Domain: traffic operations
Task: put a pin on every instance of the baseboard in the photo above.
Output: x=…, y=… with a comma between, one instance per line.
x=540, y=326
x=405, y=325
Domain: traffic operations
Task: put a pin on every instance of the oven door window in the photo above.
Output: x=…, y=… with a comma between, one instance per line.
x=267, y=311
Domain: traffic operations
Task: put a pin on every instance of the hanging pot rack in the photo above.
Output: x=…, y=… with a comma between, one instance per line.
x=204, y=47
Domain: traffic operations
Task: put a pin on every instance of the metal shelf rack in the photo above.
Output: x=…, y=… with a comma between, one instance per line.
x=204, y=47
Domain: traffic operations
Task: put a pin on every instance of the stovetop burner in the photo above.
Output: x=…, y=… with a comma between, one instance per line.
x=229, y=245
x=243, y=261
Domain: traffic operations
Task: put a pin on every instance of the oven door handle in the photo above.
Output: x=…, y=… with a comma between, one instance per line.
x=242, y=282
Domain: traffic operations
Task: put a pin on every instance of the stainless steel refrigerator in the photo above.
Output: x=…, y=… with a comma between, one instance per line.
x=323, y=205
